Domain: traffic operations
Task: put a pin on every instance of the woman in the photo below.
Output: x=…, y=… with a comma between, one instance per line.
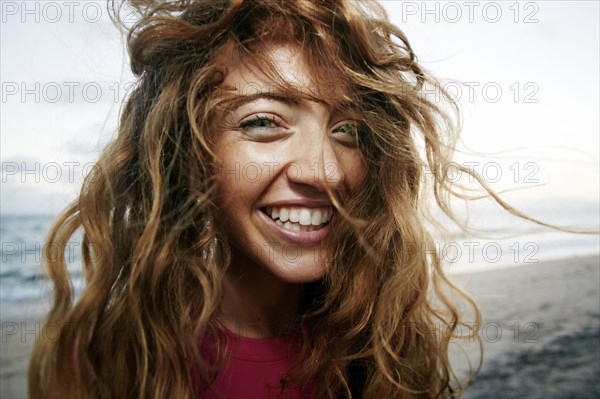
x=266, y=195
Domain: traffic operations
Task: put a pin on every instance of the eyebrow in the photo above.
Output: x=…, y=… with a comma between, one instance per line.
x=288, y=97
x=231, y=101
x=233, y=97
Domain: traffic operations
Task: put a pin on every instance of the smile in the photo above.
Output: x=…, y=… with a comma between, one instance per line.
x=299, y=224
x=299, y=219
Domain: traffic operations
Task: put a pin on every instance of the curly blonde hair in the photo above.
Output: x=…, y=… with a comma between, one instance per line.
x=154, y=256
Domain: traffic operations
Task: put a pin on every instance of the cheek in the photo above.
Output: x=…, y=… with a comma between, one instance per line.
x=232, y=192
x=355, y=169
x=242, y=177
x=246, y=162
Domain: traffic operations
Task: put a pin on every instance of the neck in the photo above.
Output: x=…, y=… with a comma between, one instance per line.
x=255, y=303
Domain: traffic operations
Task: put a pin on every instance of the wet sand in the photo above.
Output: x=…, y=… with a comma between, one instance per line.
x=15, y=348
x=541, y=330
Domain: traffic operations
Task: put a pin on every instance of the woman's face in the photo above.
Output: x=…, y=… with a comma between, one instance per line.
x=278, y=153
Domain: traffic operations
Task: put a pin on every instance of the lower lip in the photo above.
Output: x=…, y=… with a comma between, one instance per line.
x=298, y=237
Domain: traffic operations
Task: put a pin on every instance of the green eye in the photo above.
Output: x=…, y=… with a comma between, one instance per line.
x=258, y=122
x=350, y=129
x=348, y=133
x=261, y=127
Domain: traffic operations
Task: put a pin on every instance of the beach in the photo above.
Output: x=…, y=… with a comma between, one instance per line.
x=540, y=330
x=541, y=333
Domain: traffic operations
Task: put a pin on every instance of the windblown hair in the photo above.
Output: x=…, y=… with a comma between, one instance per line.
x=154, y=254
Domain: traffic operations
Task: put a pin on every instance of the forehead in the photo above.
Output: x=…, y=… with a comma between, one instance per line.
x=280, y=68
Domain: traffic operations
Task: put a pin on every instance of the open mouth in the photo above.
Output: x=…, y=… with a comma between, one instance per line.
x=299, y=218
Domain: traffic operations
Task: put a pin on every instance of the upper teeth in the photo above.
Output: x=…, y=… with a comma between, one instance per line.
x=304, y=216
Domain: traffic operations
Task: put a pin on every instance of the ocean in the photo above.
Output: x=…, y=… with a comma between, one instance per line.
x=26, y=293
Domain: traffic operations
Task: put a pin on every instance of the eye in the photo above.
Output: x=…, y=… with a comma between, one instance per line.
x=262, y=126
x=348, y=132
x=350, y=129
x=259, y=122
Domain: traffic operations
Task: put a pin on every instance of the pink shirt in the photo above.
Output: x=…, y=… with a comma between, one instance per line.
x=257, y=369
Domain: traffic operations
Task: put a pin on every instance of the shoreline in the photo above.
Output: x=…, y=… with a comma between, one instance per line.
x=537, y=319
x=536, y=313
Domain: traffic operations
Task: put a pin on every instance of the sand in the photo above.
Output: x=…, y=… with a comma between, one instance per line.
x=541, y=333
x=541, y=330
x=15, y=348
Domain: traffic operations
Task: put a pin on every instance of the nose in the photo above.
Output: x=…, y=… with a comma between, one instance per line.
x=316, y=163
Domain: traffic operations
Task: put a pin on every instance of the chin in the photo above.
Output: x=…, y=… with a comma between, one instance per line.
x=297, y=271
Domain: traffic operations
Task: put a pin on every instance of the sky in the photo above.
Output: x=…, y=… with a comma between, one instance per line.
x=525, y=74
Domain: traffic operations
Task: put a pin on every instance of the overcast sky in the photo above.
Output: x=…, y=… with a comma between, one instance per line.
x=530, y=92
